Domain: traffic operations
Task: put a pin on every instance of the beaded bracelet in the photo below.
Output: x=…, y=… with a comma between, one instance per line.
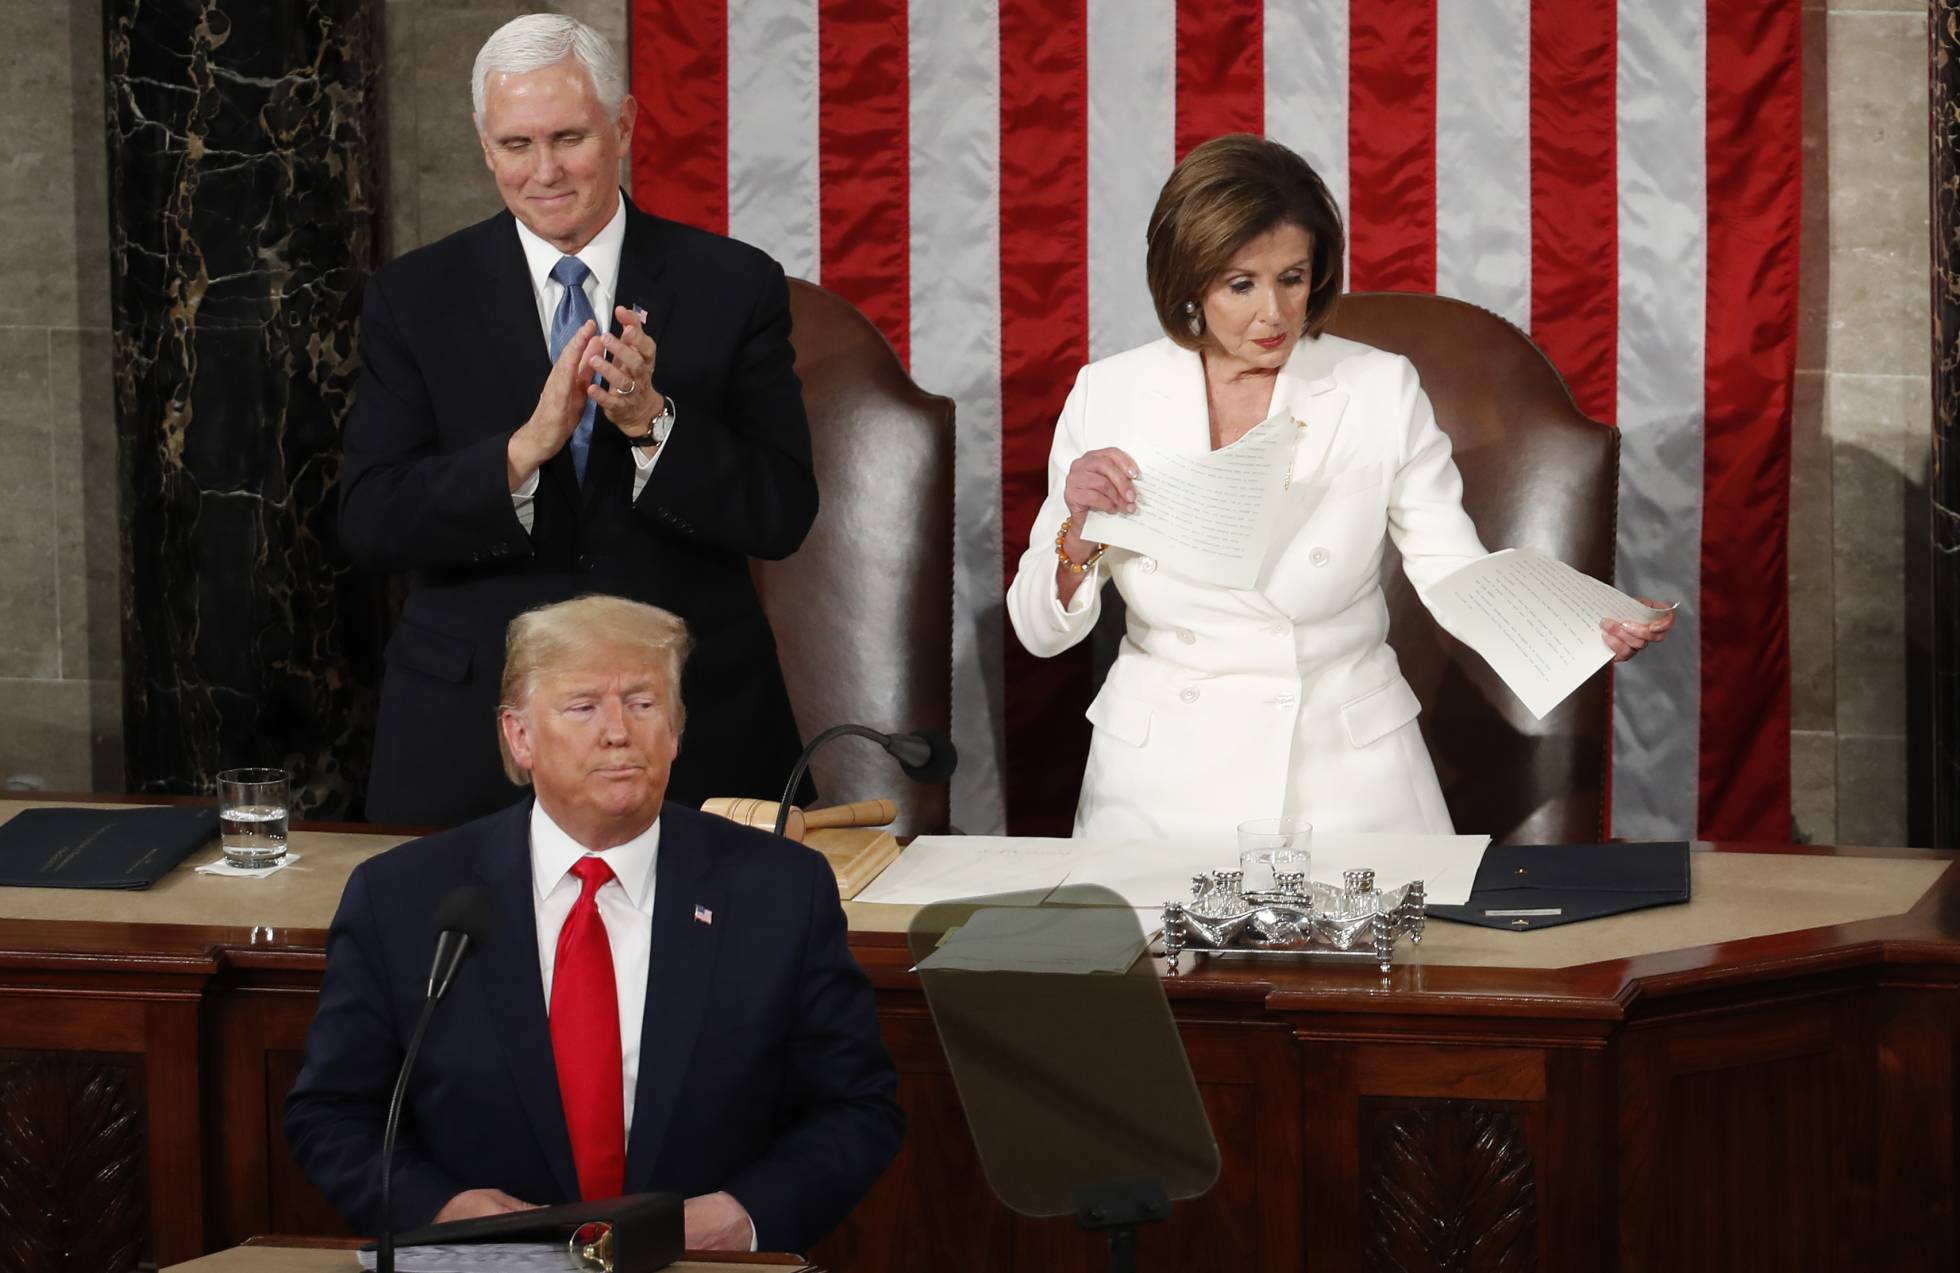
x=1061, y=553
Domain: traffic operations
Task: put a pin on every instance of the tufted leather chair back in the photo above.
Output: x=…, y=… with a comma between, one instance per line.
x=1536, y=474
x=863, y=611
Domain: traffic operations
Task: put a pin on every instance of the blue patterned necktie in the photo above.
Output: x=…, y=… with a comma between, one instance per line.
x=573, y=312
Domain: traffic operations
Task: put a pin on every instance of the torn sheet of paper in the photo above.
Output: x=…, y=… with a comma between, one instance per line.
x=1534, y=619
x=1206, y=516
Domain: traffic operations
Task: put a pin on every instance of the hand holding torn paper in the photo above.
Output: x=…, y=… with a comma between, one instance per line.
x=1209, y=516
x=1535, y=620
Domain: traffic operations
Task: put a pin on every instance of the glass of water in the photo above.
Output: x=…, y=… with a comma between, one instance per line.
x=252, y=816
x=1272, y=847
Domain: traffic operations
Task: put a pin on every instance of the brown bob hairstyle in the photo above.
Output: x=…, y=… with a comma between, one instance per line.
x=1227, y=192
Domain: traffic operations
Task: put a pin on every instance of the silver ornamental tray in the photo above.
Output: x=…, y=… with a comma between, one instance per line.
x=1355, y=921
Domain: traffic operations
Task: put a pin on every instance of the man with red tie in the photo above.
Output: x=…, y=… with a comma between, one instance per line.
x=665, y=1001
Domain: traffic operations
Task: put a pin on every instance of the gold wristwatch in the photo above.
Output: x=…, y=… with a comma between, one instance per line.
x=658, y=428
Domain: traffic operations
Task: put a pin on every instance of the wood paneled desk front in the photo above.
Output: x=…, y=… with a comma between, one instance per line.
x=1764, y=1078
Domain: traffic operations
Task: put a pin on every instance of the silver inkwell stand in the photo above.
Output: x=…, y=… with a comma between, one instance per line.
x=1298, y=918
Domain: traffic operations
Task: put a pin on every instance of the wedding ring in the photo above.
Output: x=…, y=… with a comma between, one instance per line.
x=628, y=389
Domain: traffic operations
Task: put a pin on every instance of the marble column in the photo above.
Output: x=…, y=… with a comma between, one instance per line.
x=1944, y=482
x=244, y=215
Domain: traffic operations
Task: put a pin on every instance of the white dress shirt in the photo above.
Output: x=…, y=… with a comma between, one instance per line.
x=601, y=258
x=625, y=904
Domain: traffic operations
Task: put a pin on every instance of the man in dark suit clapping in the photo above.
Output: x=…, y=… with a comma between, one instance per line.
x=572, y=397
x=664, y=1000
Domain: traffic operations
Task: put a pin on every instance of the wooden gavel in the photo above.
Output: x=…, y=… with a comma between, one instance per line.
x=752, y=812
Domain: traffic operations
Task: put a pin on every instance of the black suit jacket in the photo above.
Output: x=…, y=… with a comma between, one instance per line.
x=761, y=1070
x=453, y=362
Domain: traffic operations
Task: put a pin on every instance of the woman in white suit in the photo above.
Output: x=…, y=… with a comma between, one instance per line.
x=1284, y=698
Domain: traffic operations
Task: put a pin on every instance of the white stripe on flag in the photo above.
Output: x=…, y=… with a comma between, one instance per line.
x=1483, y=155
x=1132, y=145
x=1307, y=85
x=954, y=140
x=773, y=187
x=1663, y=196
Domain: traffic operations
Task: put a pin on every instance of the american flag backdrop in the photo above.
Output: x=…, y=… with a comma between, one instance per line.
x=1620, y=180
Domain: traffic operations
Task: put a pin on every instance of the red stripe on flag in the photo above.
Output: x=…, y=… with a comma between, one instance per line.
x=1754, y=130
x=1044, y=337
x=1575, y=246
x=1392, y=145
x=863, y=160
x=1221, y=70
x=679, y=71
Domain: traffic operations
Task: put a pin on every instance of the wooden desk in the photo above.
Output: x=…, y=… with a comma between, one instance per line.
x=1764, y=1078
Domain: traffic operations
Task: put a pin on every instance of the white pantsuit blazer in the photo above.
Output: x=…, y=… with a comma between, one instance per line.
x=1227, y=704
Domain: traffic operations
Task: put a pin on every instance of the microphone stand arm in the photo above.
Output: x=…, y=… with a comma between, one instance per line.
x=803, y=763
x=384, y=1245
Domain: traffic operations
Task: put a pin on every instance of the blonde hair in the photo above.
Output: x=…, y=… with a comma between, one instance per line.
x=1226, y=193
x=552, y=637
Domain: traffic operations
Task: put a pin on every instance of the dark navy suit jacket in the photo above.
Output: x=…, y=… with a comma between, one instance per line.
x=761, y=1070
x=452, y=362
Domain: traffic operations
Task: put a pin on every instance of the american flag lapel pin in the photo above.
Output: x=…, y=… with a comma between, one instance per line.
x=702, y=915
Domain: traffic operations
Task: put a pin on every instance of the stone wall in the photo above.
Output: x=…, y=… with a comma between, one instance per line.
x=60, y=623
x=1859, y=566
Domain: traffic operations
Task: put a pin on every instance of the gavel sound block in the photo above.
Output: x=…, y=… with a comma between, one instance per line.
x=848, y=835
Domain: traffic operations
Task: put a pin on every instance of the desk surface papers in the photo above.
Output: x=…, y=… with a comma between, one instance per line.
x=1055, y=939
x=1148, y=873
x=503, y=1257
x=1534, y=619
x=1207, y=516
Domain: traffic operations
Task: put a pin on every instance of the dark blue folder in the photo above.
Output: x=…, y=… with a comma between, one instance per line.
x=1526, y=886
x=100, y=848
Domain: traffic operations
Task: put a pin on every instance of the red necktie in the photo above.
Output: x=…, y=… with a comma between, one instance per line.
x=585, y=1039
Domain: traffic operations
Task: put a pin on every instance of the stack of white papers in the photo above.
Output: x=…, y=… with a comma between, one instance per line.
x=1084, y=939
x=1148, y=873
x=501, y=1257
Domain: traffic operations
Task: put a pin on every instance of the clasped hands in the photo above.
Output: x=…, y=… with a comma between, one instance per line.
x=623, y=392
x=1104, y=480
x=710, y=1222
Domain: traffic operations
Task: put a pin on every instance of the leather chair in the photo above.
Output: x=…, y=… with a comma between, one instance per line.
x=1537, y=473
x=863, y=611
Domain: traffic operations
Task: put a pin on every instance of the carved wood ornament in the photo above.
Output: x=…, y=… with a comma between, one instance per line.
x=72, y=1182
x=1448, y=1188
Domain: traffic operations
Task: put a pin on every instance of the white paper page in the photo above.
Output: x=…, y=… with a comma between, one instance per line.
x=1148, y=873
x=1066, y=939
x=1207, y=517
x=940, y=868
x=1534, y=619
x=505, y=1257
x=1446, y=864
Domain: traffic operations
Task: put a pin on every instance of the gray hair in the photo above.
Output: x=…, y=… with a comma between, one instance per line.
x=538, y=40
x=547, y=638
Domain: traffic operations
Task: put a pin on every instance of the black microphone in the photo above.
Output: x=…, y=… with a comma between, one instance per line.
x=924, y=755
x=462, y=923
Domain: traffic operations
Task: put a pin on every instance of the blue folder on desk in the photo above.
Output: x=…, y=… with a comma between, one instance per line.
x=100, y=848
x=1526, y=886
